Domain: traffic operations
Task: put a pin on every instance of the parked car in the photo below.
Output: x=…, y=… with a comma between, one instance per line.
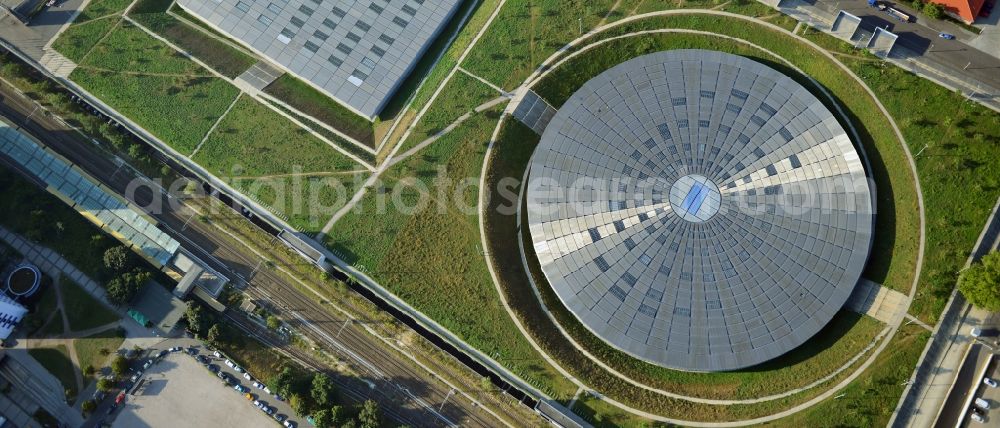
x=266, y=389
x=217, y=354
x=238, y=369
x=242, y=389
x=249, y=396
x=269, y=410
x=192, y=351
x=201, y=359
x=213, y=368
x=289, y=424
x=247, y=376
x=977, y=417
x=279, y=417
x=258, y=385
x=983, y=404
x=976, y=332
x=990, y=382
x=148, y=363
x=946, y=36
x=230, y=363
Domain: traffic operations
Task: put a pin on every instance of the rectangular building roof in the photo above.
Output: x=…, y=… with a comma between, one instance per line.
x=87, y=196
x=358, y=52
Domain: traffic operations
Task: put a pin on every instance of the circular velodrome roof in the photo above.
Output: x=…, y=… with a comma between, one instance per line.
x=699, y=210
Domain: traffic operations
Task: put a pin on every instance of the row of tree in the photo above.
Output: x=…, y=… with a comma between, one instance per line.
x=309, y=394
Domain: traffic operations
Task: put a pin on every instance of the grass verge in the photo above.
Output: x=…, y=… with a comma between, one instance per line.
x=425, y=248
x=83, y=311
x=56, y=360
x=95, y=350
x=958, y=164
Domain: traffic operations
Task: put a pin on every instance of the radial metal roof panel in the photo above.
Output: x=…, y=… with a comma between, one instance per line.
x=692, y=234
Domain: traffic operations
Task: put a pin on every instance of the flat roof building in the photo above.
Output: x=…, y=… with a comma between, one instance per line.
x=356, y=52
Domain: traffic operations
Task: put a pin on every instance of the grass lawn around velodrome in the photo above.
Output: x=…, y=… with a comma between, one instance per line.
x=281, y=166
x=902, y=257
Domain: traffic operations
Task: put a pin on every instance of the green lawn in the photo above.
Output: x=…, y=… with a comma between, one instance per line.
x=311, y=101
x=277, y=148
x=82, y=310
x=462, y=94
x=97, y=349
x=130, y=50
x=221, y=57
x=280, y=164
x=959, y=168
x=432, y=258
x=56, y=360
x=54, y=328
x=98, y=8
x=81, y=37
x=178, y=110
x=870, y=400
x=526, y=32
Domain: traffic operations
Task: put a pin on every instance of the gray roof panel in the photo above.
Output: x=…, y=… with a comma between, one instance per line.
x=713, y=250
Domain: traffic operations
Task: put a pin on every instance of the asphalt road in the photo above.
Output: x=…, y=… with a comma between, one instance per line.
x=413, y=396
x=921, y=37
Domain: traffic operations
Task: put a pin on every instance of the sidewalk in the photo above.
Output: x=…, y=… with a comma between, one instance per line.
x=903, y=53
x=54, y=264
x=936, y=370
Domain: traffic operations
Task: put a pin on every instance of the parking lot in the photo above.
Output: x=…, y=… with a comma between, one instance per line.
x=178, y=390
x=991, y=416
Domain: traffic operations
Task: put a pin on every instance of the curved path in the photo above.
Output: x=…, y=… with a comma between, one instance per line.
x=551, y=64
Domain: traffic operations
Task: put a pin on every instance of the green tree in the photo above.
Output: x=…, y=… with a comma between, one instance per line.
x=118, y=292
x=105, y=384
x=88, y=406
x=370, y=416
x=116, y=258
x=196, y=318
x=933, y=10
x=298, y=404
x=214, y=334
x=273, y=322
x=119, y=366
x=980, y=283
x=322, y=419
x=323, y=390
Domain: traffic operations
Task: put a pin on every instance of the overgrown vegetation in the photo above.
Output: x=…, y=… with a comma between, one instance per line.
x=417, y=234
x=218, y=55
x=311, y=101
x=281, y=165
